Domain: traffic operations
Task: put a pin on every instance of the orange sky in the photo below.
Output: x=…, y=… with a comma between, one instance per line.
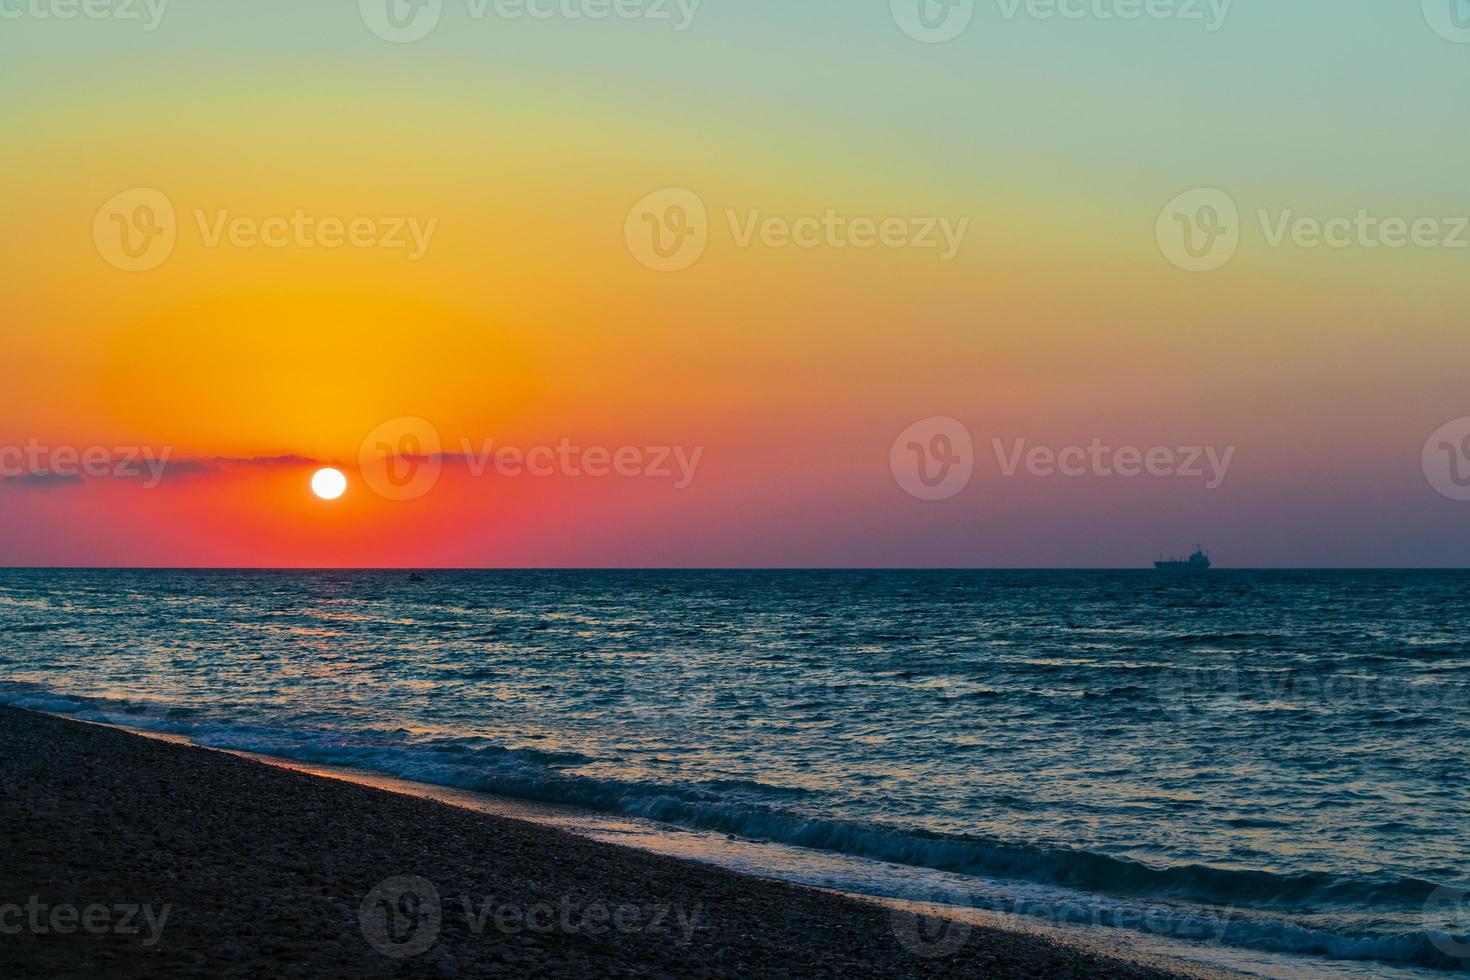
x=522, y=313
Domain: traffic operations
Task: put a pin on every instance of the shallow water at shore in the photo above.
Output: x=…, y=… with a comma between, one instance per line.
x=1049, y=912
x=1273, y=761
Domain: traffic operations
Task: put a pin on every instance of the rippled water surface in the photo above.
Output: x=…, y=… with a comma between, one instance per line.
x=1288, y=748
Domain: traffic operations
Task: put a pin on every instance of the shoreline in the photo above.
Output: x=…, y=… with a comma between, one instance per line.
x=266, y=868
x=712, y=849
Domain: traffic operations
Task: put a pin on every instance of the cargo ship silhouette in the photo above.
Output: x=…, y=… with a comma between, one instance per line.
x=1197, y=562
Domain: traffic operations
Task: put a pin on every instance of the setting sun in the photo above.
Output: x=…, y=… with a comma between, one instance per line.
x=328, y=484
x=869, y=529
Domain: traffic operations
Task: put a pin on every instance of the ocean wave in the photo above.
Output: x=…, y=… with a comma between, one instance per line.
x=1250, y=906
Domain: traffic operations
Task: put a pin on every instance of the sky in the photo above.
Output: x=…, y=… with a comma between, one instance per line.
x=770, y=283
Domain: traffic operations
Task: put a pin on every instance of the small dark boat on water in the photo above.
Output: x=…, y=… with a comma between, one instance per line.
x=1197, y=562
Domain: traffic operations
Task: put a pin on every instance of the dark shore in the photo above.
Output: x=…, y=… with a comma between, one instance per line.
x=130, y=857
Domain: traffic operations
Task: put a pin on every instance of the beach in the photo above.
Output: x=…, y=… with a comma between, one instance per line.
x=128, y=856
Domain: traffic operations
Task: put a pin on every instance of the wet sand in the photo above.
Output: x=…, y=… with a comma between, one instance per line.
x=127, y=856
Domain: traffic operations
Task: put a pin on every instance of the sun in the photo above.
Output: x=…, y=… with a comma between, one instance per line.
x=329, y=483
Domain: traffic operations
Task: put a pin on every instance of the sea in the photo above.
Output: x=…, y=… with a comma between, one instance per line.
x=1266, y=770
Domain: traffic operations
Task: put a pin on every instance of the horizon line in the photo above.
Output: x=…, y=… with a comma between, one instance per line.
x=723, y=568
